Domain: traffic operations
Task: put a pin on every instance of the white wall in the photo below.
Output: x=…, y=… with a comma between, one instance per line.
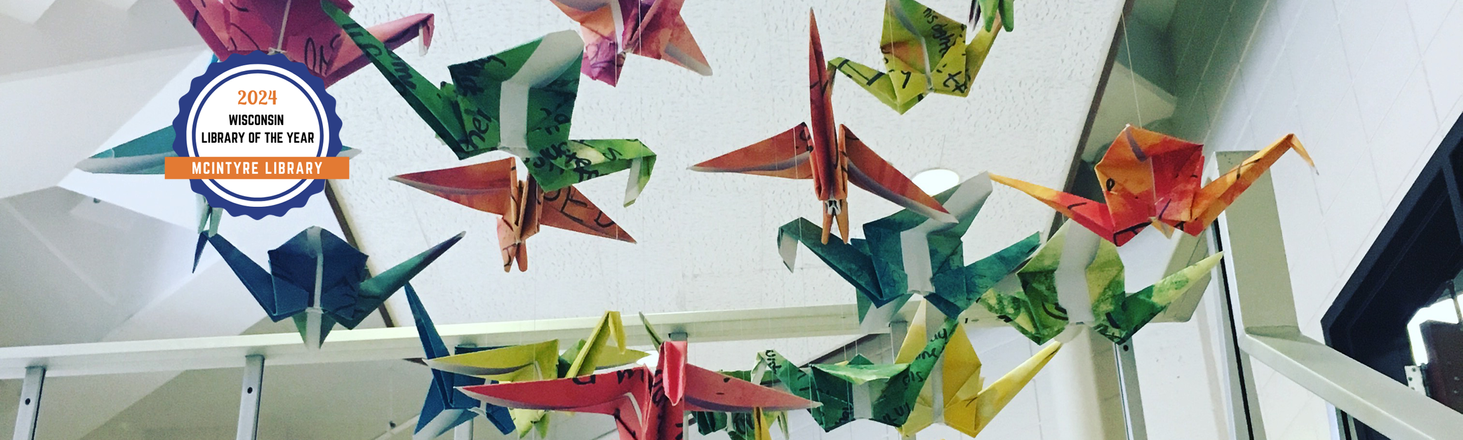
x=1369, y=88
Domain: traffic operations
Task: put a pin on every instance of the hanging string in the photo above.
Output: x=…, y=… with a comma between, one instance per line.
x=1132, y=72
x=279, y=44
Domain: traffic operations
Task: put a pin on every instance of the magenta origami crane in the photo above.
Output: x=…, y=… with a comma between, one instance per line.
x=649, y=28
x=297, y=28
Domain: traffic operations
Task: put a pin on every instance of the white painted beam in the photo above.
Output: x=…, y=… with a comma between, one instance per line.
x=402, y=342
x=250, y=395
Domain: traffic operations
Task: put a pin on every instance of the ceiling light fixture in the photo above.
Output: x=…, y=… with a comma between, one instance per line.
x=936, y=180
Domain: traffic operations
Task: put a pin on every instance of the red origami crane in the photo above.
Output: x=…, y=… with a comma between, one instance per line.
x=297, y=28
x=831, y=158
x=1151, y=178
x=494, y=187
x=649, y=28
x=646, y=404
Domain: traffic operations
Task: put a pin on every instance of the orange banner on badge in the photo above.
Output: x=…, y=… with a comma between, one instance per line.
x=257, y=168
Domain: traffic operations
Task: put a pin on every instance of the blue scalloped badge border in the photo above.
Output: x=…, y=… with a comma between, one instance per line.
x=327, y=108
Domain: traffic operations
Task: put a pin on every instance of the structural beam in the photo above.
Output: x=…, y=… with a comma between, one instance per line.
x=30, y=403
x=403, y=342
x=249, y=395
x=1130, y=392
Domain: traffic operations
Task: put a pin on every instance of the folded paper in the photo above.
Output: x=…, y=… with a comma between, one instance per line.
x=520, y=101
x=522, y=206
x=830, y=156
x=925, y=51
x=649, y=28
x=446, y=407
x=1039, y=303
x=298, y=29
x=906, y=254
x=1151, y=178
x=646, y=403
x=320, y=280
x=605, y=348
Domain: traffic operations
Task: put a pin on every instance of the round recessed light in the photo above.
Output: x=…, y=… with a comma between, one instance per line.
x=936, y=180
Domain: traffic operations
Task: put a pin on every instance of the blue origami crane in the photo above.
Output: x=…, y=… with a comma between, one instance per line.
x=446, y=407
x=320, y=280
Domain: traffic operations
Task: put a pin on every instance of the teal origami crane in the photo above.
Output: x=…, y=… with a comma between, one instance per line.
x=907, y=253
x=445, y=407
x=320, y=280
x=1037, y=309
x=145, y=155
x=520, y=101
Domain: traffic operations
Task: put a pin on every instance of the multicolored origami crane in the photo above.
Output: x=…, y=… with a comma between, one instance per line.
x=298, y=29
x=320, y=280
x=647, y=403
x=907, y=253
x=831, y=159
x=540, y=361
x=445, y=407
x=1050, y=293
x=1151, y=178
x=649, y=28
x=520, y=101
x=963, y=402
x=925, y=51
x=145, y=155
x=522, y=205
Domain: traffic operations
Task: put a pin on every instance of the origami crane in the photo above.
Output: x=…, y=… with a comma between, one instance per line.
x=890, y=389
x=445, y=407
x=1037, y=307
x=646, y=403
x=1150, y=178
x=145, y=155
x=520, y=101
x=298, y=29
x=906, y=253
x=649, y=28
x=963, y=402
x=534, y=362
x=522, y=205
x=831, y=159
x=320, y=280
x=925, y=51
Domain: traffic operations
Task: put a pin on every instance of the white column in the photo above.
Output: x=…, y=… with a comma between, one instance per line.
x=249, y=397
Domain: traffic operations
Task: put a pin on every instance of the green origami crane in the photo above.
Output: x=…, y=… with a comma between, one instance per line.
x=925, y=52
x=907, y=252
x=520, y=101
x=1035, y=309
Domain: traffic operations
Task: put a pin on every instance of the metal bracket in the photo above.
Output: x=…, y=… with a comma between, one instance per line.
x=30, y=403
x=249, y=397
x=1130, y=392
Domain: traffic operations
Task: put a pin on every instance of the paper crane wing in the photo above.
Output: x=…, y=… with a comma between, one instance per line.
x=847, y=261
x=445, y=408
x=895, y=403
x=568, y=209
x=663, y=35
x=1119, y=314
x=143, y=155
x=1219, y=194
x=707, y=390
x=393, y=34
x=486, y=187
x=969, y=412
x=958, y=289
x=998, y=11
x=869, y=171
x=598, y=393
x=374, y=291
x=512, y=363
x=1092, y=215
x=278, y=304
x=437, y=107
x=785, y=155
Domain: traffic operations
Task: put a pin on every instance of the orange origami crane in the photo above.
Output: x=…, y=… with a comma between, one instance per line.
x=649, y=28
x=832, y=159
x=523, y=206
x=646, y=404
x=1151, y=178
x=299, y=29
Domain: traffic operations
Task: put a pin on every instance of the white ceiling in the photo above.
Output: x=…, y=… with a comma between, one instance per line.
x=705, y=240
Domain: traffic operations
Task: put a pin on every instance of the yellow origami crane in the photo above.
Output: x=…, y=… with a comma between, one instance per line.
x=541, y=361
x=925, y=52
x=967, y=406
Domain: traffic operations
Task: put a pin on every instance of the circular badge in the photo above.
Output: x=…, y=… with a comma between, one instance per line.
x=259, y=135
